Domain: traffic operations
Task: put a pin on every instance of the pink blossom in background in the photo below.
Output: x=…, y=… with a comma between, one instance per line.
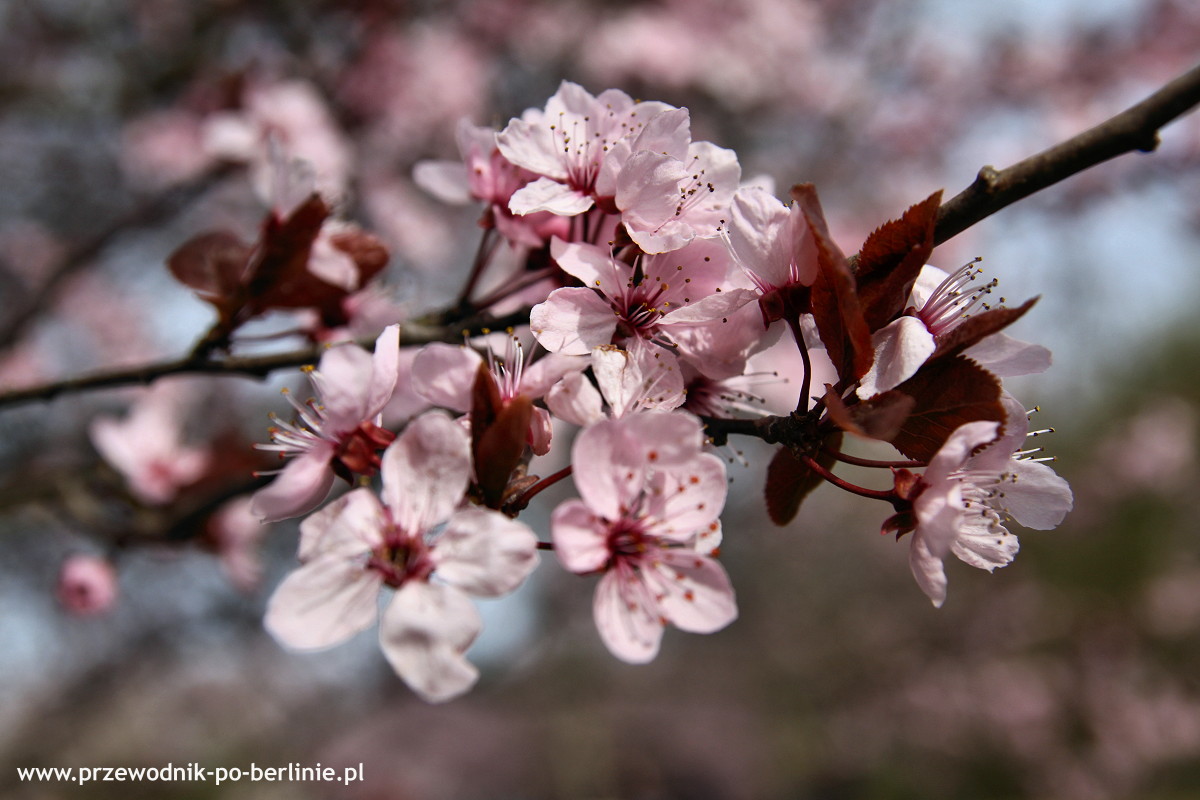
x=287, y=120
x=147, y=446
x=87, y=585
x=165, y=147
x=236, y=533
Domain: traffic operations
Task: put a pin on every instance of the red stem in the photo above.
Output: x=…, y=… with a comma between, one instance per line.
x=861, y=491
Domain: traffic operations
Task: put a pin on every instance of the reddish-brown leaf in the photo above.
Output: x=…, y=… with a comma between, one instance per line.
x=790, y=480
x=281, y=278
x=975, y=327
x=499, y=431
x=834, y=298
x=948, y=392
x=500, y=448
x=891, y=258
x=880, y=417
x=213, y=265
x=369, y=253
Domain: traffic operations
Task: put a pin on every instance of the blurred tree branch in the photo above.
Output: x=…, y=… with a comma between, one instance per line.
x=1135, y=128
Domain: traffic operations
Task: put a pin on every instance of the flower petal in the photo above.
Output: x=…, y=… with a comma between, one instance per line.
x=929, y=571
x=298, y=489
x=546, y=194
x=696, y=593
x=627, y=617
x=325, y=602
x=385, y=371
x=1036, y=496
x=572, y=321
x=576, y=400
x=485, y=553
x=424, y=632
x=1006, y=357
x=348, y=526
x=444, y=373
x=985, y=544
x=426, y=471
x=580, y=537
x=901, y=347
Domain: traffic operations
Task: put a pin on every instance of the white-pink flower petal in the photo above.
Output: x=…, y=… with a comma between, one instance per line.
x=426, y=471
x=424, y=632
x=485, y=553
x=323, y=603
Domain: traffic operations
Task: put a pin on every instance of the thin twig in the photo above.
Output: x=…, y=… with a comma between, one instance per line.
x=1135, y=128
x=246, y=366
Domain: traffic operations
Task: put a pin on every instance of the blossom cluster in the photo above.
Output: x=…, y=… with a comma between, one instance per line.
x=656, y=304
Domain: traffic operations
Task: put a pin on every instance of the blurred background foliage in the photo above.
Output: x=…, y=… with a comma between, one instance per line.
x=1073, y=673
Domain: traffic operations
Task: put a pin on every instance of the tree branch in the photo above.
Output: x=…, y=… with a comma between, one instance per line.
x=1135, y=128
x=248, y=366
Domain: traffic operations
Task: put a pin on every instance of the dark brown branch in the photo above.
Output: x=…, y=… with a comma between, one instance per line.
x=1136, y=128
x=248, y=366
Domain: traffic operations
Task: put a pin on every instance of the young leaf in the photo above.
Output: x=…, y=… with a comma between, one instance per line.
x=948, y=392
x=499, y=432
x=213, y=265
x=890, y=259
x=790, y=480
x=880, y=417
x=834, y=298
x=977, y=326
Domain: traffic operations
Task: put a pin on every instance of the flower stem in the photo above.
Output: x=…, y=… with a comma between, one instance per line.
x=806, y=383
x=861, y=491
x=545, y=483
x=870, y=462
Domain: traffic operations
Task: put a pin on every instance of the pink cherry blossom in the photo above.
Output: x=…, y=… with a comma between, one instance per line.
x=417, y=542
x=667, y=199
x=444, y=374
x=619, y=302
x=87, y=585
x=965, y=500
x=770, y=241
x=572, y=144
x=485, y=174
x=147, y=446
x=338, y=432
x=649, y=521
x=645, y=377
x=939, y=303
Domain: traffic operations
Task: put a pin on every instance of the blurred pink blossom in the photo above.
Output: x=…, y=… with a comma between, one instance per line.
x=87, y=585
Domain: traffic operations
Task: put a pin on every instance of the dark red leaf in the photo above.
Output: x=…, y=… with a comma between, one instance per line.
x=281, y=278
x=790, y=480
x=499, y=432
x=948, y=392
x=213, y=264
x=890, y=260
x=369, y=253
x=834, y=299
x=975, y=327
